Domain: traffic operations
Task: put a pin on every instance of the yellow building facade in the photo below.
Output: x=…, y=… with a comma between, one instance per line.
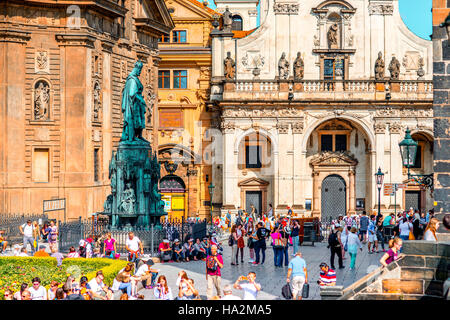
x=183, y=118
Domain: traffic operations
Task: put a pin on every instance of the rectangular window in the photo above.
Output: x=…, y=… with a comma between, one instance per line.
x=308, y=204
x=164, y=79
x=96, y=164
x=341, y=142
x=40, y=170
x=179, y=36
x=328, y=65
x=179, y=79
x=253, y=157
x=333, y=67
x=164, y=38
x=326, y=142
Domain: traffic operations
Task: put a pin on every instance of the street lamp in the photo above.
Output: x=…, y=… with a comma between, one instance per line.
x=380, y=177
x=211, y=193
x=408, y=151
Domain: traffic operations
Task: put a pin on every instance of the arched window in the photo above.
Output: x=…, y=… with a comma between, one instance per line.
x=237, y=23
x=172, y=183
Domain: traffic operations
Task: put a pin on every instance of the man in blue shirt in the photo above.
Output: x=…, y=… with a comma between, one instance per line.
x=363, y=225
x=297, y=268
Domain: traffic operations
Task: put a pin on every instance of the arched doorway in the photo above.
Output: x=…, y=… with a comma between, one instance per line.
x=333, y=197
x=173, y=192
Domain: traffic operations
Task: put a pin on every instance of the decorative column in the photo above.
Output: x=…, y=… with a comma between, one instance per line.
x=230, y=192
x=316, y=195
x=352, y=192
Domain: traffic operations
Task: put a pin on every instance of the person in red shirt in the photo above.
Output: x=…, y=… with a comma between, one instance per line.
x=165, y=251
x=214, y=263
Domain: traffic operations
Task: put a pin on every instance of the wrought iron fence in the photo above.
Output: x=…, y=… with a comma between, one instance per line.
x=10, y=222
x=70, y=233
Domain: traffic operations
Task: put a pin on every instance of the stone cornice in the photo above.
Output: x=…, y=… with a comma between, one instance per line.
x=14, y=35
x=76, y=40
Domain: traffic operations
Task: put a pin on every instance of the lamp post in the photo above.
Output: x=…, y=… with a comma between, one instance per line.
x=211, y=193
x=380, y=177
x=408, y=151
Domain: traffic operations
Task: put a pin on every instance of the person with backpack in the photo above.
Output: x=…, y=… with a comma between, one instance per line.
x=214, y=263
x=363, y=226
x=260, y=245
x=335, y=246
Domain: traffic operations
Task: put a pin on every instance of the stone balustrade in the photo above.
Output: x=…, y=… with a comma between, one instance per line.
x=325, y=89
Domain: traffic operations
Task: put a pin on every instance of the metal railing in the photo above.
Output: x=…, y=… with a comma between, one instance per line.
x=10, y=223
x=70, y=234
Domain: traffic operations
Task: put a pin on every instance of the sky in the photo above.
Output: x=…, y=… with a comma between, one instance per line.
x=416, y=14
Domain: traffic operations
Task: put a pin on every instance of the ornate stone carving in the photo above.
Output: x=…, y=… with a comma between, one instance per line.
x=330, y=158
x=229, y=66
x=227, y=127
x=381, y=9
x=420, y=71
x=41, y=106
x=297, y=127
x=395, y=128
x=285, y=8
x=299, y=67
x=316, y=40
x=283, y=67
x=262, y=112
x=350, y=40
x=205, y=73
x=41, y=62
x=404, y=113
x=282, y=127
x=394, y=68
x=379, y=127
x=379, y=67
x=97, y=101
x=253, y=60
x=332, y=36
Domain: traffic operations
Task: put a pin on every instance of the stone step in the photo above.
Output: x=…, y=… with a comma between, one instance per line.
x=401, y=286
x=394, y=296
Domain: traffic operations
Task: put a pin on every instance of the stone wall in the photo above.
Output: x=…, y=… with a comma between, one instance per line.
x=441, y=107
x=418, y=275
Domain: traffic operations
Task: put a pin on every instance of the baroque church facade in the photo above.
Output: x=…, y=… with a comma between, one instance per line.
x=64, y=65
x=312, y=102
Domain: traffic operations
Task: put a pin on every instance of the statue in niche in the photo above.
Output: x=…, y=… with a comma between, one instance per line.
x=299, y=67
x=332, y=36
x=394, y=68
x=128, y=201
x=41, y=100
x=133, y=106
x=229, y=66
x=97, y=102
x=379, y=67
x=283, y=67
x=227, y=20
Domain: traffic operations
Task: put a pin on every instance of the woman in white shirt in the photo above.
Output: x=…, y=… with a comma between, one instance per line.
x=430, y=231
x=405, y=228
x=162, y=291
x=344, y=235
x=353, y=243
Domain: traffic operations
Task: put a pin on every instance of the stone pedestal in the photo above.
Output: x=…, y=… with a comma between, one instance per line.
x=134, y=173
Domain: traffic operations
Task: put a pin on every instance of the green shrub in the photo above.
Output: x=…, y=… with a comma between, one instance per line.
x=16, y=270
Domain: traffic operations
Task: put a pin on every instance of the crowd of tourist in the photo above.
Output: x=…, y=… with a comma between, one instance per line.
x=347, y=235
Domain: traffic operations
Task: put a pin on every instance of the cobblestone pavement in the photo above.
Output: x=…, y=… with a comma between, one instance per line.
x=271, y=279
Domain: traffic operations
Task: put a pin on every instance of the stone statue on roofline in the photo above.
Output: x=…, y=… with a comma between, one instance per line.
x=394, y=68
x=379, y=67
x=299, y=67
x=283, y=67
x=229, y=66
